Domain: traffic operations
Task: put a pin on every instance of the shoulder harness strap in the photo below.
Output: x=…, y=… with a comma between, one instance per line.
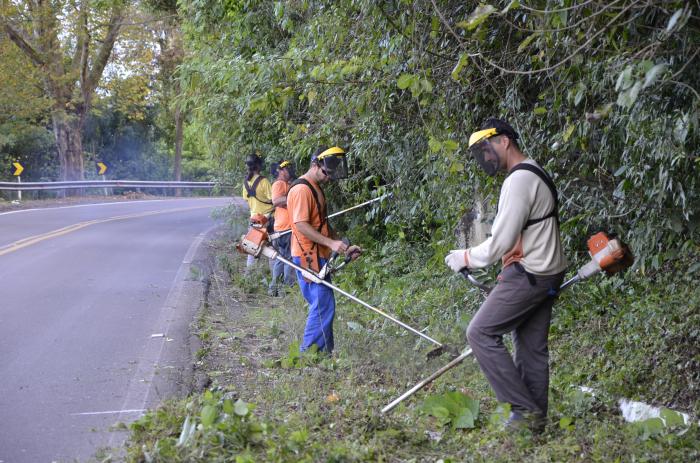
x=251, y=189
x=322, y=215
x=550, y=184
x=315, y=193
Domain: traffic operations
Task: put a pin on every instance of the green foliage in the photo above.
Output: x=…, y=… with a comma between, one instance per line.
x=129, y=147
x=638, y=335
x=603, y=96
x=215, y=425
x=32, y=145
x=330, y=412
x=668, y=424
x=454, y=408
x=297, y=359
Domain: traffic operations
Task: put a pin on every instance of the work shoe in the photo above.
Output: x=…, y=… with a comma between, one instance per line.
x=523, y=420
x=272, y=292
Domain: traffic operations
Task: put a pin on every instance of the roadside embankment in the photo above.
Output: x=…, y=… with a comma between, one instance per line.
x=264, y=401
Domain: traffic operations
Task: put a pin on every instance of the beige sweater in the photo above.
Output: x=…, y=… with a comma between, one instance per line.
x=524, y=196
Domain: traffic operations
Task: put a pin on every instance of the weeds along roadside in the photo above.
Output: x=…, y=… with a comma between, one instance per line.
x=311, y=408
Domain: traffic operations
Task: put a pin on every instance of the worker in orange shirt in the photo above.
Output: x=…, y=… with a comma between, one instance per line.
x=313, y=241
x=285, y=175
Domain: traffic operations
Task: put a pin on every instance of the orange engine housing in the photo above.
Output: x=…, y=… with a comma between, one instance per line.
x=258, y=221
x=607, y=252
x=253, y=241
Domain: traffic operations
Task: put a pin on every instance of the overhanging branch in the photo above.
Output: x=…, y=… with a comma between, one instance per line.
x=22, y=43
x=105, y=51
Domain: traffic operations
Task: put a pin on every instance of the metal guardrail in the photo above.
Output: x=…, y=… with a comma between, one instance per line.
x=29, y=186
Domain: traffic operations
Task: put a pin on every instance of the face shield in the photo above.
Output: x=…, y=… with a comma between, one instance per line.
x=274, y=169
x=483, y=152
x=333, y=163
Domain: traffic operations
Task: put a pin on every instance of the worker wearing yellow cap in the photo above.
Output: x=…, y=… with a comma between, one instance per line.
x=525, y=237
x=284, y=173
x=313, y=241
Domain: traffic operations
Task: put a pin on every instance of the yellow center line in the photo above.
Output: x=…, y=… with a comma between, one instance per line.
x=24, y=242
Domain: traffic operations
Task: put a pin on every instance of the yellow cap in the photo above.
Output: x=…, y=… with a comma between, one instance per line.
x=476, y=137
x=331, y=151
x=284, y=164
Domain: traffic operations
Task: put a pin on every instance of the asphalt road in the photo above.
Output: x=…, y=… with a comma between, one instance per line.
x=95, y=304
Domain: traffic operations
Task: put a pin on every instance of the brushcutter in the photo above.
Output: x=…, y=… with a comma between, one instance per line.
x=330, y=267
x=274, y=236
x=256, y=243
x=609, y=255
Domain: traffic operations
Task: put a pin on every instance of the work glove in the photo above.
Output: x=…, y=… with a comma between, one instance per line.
x=456, y=259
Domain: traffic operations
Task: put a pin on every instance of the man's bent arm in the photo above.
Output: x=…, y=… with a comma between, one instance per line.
x=513, y=210
x=280, y=201
x=314, y=235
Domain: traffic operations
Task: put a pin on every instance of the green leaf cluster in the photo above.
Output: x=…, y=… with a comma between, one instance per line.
x=667, y=422
x=452, y=408
x=214, y=423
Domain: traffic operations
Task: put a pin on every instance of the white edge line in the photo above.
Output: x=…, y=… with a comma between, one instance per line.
x=82, y=205
x=173, y=295
x=105, y=204
x=111, y=412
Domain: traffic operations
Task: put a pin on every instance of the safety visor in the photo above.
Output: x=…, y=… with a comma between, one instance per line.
x=482, y=151
x=274, y=169
x=481, y=135
x=333, y=163
x=479, y=143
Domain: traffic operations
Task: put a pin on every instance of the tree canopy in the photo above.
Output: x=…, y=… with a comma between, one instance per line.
x=93, y=81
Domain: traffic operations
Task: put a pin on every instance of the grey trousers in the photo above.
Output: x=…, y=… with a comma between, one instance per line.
x=516, y=305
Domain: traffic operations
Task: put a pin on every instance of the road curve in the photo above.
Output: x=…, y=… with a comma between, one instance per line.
x=94, y=312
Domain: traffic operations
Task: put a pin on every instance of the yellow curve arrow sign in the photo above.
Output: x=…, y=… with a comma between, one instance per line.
x=103, y=168
x=18, y=168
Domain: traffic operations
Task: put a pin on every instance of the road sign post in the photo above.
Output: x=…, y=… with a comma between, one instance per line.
x=102, y=168
x=18, y=171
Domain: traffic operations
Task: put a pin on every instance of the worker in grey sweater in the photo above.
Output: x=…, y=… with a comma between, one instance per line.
x=525, y=236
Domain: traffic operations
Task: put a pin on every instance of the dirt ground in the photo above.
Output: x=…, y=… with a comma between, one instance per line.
x=250, y=351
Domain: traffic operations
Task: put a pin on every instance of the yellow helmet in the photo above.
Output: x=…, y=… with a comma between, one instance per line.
x=481, y=135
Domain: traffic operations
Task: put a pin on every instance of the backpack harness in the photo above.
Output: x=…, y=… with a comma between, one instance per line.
x=308, y=255
x=550, y=184
x=250, y=189
x=554, y=213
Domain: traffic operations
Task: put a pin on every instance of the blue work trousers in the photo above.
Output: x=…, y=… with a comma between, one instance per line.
x=319, y=323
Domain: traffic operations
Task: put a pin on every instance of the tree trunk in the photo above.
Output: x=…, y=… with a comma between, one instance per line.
x=68, y=133
x=178, y=148
x=38, y=37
